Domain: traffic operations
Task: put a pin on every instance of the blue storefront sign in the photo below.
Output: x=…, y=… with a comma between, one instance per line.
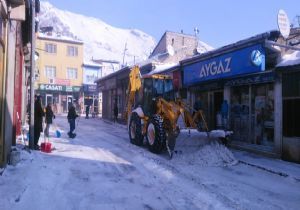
x=244, y=61
x=252, y=79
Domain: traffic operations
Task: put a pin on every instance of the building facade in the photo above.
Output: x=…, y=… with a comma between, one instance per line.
x=15, y=34
x=90, y=95
x=260, y=99
x=59, y=71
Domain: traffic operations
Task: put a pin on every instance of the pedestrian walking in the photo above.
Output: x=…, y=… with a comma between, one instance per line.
x=38, y=121
x=48, y=119
x=87, y=111
x=71, y=119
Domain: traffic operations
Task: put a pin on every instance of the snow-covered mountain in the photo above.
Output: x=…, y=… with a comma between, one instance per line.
x=101, y=41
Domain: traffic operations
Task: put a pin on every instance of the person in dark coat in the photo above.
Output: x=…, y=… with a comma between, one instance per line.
x=49, y=116
x=71, y=119
x=38, y=121
x=87, y=111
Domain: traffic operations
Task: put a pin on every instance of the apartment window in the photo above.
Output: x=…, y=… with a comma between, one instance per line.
x=50, y=72
x=71, y=73
x=50, y=48
x=72, y=51
x=91, y=78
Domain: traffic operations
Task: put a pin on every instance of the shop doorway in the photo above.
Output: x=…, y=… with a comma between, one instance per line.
x=69, y=101
x=215, y=99
x=49, y=99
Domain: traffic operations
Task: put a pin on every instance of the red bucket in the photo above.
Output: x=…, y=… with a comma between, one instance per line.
x=46, y=147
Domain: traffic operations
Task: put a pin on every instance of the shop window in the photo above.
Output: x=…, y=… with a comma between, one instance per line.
x=50, y=48
x=291, y=104
x=91, y=78
x=252, y=116
x=71, y=73
x=239, y=113
x=262, y=114
x=72, y=51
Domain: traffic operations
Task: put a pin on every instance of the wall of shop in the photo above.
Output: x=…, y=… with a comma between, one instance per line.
x=291, y=114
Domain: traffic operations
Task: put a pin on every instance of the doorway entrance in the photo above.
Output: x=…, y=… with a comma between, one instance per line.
x=49, y=99
x=69, y=101
x=215, y=99
x=211, y=104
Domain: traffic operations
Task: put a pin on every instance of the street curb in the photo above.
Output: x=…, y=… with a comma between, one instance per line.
x=279, y=173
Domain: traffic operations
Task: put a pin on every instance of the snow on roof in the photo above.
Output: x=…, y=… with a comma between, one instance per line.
x=290, y=59
x=92, y=64
x=58, y=37
x=162, y=67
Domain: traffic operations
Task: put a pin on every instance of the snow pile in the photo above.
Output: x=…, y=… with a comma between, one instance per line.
x=100, y=39
x=209, y=153
x=290, y=59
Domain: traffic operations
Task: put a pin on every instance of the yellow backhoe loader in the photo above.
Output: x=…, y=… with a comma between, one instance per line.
x=152, y=112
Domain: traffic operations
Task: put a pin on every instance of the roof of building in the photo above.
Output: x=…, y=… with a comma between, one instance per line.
x=271, y=35
x=59, y=38
x=91, y=64
x=162, y=68
x=292, y=59
x=105, y=61
x=170, y=32
x=127, y=68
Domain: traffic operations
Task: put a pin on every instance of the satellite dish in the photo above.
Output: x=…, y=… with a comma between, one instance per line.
x=170, y=50
x=283, y=23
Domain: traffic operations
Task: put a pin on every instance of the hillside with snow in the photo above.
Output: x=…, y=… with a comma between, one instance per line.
x=101, y=41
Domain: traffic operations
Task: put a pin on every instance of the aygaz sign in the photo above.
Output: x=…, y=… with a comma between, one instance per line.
x=243, y=61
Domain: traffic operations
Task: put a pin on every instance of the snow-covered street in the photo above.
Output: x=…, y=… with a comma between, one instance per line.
x=100, y=169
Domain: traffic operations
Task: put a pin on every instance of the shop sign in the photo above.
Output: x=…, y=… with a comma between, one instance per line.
x=76, y=88
x=243, y=61
x=69, y=88
x=51, y=87
x=90, y=88
x=62, y=88
x=254, y=79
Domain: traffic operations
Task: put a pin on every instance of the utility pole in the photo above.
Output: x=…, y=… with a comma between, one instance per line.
x=196, y=31
x=125, y=49
x=32, y=76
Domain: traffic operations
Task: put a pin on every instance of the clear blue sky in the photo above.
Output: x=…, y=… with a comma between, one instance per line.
x=220, y=22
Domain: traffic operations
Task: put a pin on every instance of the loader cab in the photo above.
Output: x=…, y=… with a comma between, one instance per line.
x=154, y=88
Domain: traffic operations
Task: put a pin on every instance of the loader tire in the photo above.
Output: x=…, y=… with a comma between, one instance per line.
x=135, y=130
x=156, y=135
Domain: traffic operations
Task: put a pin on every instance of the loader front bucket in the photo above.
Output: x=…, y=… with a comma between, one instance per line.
x=189, y=140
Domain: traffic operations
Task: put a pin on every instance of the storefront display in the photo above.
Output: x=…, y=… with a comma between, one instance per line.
x=253, y=114
x=60, y=96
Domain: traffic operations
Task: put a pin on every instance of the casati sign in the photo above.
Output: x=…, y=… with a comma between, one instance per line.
x=62, y=88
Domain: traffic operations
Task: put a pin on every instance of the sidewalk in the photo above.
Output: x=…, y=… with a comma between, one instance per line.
x=276, y=166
